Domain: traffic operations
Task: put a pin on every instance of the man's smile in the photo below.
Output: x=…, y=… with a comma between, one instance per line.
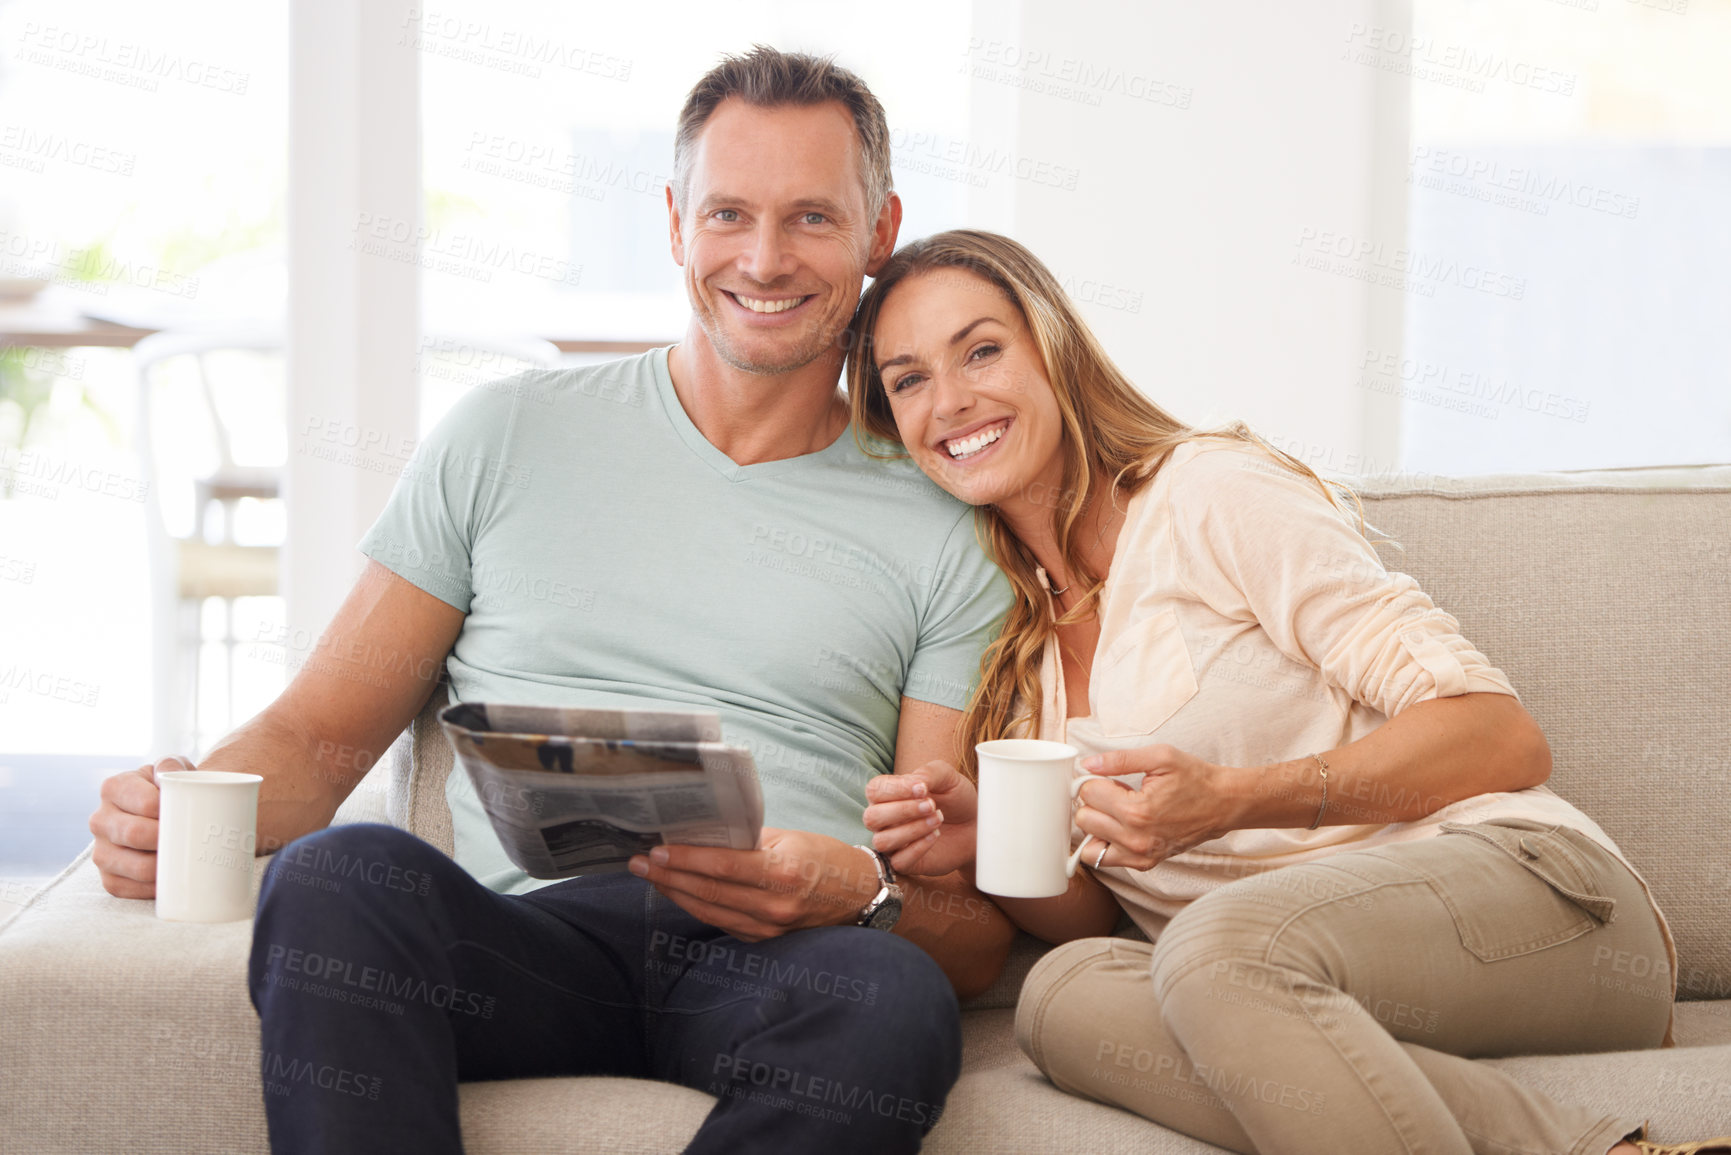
x=767, y=305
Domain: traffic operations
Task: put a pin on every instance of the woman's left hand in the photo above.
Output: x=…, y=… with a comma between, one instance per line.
x=1179, y=804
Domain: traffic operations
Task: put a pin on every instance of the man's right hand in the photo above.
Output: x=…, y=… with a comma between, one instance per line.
x=125, y=829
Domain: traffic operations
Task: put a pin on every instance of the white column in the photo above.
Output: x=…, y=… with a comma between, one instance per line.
x=353, y=327
x=1175, y=154
x=1390, y=142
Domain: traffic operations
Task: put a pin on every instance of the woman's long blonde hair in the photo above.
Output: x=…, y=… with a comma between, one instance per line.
x=1114, y=438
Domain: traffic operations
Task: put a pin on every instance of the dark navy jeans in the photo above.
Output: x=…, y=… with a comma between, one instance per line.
x=384, y=975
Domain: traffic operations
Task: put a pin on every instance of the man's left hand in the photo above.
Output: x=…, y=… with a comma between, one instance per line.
x=795, y=880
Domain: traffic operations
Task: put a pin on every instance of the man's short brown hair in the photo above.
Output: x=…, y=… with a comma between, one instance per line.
x=768, y=78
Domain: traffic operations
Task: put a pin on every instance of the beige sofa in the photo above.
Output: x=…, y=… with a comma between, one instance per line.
x=1606, y=598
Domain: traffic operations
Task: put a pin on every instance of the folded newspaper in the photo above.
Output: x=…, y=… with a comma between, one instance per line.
x=577, y=791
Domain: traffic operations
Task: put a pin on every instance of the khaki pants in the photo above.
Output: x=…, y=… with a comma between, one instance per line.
x=1338, y=1005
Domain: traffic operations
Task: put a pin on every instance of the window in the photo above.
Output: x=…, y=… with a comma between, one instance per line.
x=1569, y=176
x=142, y=153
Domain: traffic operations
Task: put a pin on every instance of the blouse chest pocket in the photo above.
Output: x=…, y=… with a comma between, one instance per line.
x=1144, y=678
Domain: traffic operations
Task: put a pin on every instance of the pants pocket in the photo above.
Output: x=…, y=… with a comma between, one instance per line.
x=1497, y=922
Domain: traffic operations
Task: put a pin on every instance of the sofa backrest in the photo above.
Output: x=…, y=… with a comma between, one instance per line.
x=1606, y=599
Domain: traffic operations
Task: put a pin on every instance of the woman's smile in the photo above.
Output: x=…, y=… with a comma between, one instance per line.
x=977, y=441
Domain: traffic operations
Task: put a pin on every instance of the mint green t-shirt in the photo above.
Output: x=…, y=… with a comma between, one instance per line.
x=607, y=554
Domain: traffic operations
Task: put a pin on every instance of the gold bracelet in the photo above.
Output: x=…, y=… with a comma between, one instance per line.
x=1324, y=804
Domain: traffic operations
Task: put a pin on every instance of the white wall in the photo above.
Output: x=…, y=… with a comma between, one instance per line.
x=1183, y=223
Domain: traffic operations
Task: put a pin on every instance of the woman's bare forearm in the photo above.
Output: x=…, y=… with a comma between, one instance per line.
x=1086, y=910
x=1424, y=758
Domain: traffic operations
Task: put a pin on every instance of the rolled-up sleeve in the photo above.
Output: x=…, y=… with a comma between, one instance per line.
x=1259, y=542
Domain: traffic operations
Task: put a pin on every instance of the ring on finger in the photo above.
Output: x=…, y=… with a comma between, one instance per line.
x=1101, y=857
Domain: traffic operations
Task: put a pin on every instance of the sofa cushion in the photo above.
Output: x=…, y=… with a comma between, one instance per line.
x=1703, y=1023
x=89, y=982
x=1606, y=598
x=369, y=801
x=1003, y=1103
x=580, y=1116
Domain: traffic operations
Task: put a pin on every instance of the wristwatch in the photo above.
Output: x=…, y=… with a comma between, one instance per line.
x=882, y=912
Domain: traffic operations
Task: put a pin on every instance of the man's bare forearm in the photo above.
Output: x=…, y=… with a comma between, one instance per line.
x=959, y=927
x=305, y=779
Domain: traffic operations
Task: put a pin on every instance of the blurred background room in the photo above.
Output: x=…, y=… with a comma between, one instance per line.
x=250, y=253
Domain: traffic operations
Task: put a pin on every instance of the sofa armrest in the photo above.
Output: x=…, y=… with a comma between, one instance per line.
x=110, y=1017
x=415, y=769
x=122, y=1032
x=370, y=800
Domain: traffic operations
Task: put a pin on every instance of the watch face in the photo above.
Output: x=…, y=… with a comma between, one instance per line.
x=885, y=916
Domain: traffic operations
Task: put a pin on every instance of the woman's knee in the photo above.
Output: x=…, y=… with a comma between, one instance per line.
x=1073, y=995
x=1239, y=922
x=1088, y=1019
x=1211, y=932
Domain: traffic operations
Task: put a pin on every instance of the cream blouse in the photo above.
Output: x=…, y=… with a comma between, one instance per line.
x=1245, y=620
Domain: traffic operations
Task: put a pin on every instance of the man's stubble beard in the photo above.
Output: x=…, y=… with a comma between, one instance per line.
x=815, y=345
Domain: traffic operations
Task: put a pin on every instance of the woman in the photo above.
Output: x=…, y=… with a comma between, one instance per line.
x=1327, y=806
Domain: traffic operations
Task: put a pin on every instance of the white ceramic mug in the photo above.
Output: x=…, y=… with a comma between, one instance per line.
x=206, y=830
x=1026, y=789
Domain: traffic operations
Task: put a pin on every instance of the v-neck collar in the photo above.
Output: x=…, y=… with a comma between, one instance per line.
x=706, y=451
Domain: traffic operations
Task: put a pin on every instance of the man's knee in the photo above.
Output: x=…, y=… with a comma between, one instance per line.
x=354, y=859
x=891, y=982
x=896, y=971
x=341, y=885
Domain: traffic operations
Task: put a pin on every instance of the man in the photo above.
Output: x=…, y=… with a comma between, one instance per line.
x=693, y=527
